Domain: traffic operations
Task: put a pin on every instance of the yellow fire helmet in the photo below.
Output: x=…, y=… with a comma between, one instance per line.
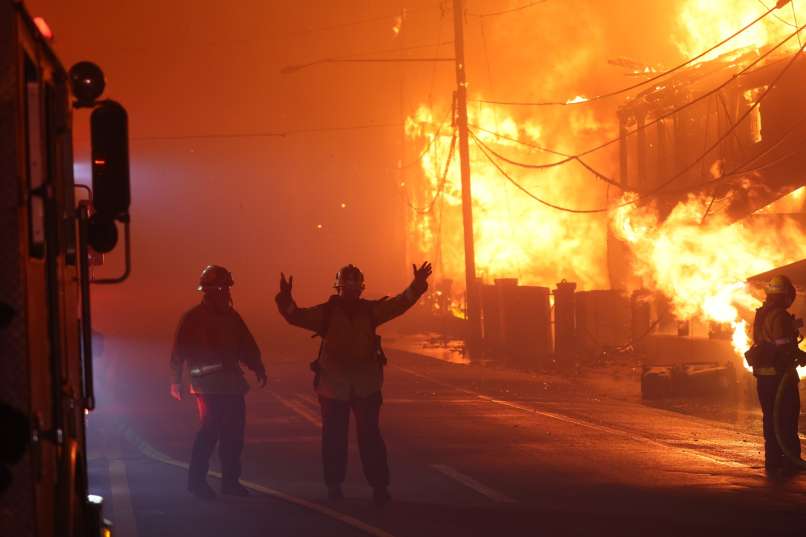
x=215, y=276
x=349, y=276
x=780, y=285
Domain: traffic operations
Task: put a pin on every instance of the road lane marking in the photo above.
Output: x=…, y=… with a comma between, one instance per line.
x=310, y=400
x=123, y=512
x=404, y=401
x=580, y=422
x=125, y=524
x=294, y=406
x=471, y=483
x=275, y=420
x=281, y=440
x=397, y=401
x=149, y=451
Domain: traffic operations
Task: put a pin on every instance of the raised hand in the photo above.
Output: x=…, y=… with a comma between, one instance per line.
x=421, y=274
x=286, y=284
x=176, y=391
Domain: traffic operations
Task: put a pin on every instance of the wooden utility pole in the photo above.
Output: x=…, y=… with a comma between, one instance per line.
x=473, y=306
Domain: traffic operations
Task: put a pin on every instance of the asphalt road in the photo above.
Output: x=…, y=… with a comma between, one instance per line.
x=473, y=450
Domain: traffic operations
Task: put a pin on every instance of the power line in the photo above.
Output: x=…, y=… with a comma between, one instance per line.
x=639, y=84
x=685, y=170
x=288, y=69
x=490, y=82
x=742, y=169
x=736, y=123
x=525, y=190
x=657, y=190
x=568, y=157
x=275, y=134
x=430, y=143
x=442, y=181
x=505, y=11
x=521, y=142
x=584, y=164
x=778, y=16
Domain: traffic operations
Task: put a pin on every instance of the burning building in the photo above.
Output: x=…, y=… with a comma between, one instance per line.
x=674, y=192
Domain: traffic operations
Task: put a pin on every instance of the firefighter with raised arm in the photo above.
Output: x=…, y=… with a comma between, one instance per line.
x=212, y=339
x=349, y=370
x=774, y=353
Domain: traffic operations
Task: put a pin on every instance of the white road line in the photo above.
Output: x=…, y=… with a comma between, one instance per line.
x=123, y=512
x=294, y=406
x=281, y=440
x=471, y=483
x=581, y=422
x=310, y=400
x=403, y=401
x=153, y=453
x=275, y=420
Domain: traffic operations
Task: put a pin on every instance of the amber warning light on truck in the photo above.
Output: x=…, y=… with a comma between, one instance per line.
x=44, y=28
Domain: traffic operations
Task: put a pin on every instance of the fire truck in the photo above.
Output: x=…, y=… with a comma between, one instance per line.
x=51, y=228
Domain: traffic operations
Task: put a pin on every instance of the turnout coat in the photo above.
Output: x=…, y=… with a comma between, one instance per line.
x=348, y=362
x=212, y=344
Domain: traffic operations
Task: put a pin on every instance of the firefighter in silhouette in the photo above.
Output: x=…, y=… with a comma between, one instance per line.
x=212, y=339
x=349, y=370
x=775, y=350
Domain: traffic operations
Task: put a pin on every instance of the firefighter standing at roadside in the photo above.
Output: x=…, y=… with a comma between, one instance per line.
x=349, y=370
x=212, y=338
x=775, y=350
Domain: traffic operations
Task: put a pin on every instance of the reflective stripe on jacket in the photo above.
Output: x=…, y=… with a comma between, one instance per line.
x=778, y=328
x=212, y=344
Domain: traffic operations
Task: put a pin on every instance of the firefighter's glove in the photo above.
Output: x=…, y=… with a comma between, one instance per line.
x=261, y=378
x=421, y=275
x=283, y=298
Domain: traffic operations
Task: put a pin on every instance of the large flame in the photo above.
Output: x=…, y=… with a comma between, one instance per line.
x=514, y=236
x=706, y=22
x=700, y=264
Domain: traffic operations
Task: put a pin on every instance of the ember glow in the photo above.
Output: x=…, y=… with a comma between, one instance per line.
x=398, y=26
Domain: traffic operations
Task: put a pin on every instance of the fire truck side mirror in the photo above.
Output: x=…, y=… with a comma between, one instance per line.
x=109, y=133
x=102, y=233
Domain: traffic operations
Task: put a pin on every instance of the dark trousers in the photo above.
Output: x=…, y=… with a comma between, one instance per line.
x=767, y=387
x=222, y=419
x=335, y=422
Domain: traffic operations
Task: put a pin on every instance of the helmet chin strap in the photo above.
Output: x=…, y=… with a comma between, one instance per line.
x=356, y=292
x=216, y=303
